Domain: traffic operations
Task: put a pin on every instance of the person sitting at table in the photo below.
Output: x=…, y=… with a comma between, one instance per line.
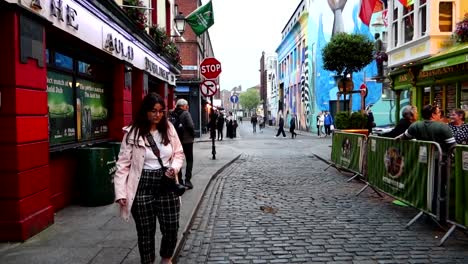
x=409, y=116
x=458, y=126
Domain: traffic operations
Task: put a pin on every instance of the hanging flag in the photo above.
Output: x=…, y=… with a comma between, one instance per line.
x=406, y=3
x=367, y=8
x=201, y=19
x=379, y=6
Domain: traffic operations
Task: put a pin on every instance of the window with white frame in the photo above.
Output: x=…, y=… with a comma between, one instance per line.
x=408, y=23
x=422, y=17
x=445, y=16
x=395, y=32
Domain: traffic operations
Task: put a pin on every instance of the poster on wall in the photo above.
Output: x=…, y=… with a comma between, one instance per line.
x=60, y=106
x=91, y=110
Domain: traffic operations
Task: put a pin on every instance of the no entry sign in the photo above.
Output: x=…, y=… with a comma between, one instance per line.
x=208, y=88
x=210, y=68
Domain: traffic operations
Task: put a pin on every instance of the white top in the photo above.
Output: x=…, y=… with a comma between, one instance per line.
x=151, y=161
x=321, y=120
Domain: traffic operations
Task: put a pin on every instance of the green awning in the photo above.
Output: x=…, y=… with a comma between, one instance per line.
x=455, y=55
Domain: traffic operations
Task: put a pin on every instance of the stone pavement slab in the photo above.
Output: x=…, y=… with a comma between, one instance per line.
x=97, y=235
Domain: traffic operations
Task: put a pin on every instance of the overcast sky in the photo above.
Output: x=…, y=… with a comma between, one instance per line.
x=242, y=30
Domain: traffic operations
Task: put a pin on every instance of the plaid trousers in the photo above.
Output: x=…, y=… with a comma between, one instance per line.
x=150, y=204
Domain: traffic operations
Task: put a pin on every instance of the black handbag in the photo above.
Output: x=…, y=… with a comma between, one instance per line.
x=167, y=184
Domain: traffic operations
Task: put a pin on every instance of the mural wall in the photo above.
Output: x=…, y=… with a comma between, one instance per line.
x=308, y=88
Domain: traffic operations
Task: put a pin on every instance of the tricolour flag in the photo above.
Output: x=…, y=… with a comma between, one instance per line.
x=201, y=19
x=367, y=9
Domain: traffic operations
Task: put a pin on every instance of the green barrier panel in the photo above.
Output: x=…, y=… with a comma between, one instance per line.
x=460, y=186
x=346, y=150
x=96, y=175
x=402, y=169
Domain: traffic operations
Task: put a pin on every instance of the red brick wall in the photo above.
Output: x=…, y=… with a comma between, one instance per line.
x=24, y=167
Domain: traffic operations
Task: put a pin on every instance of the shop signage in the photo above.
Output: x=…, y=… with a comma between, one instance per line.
x=158, y=71
x=116, y=46
x=61, y=108
x=447, y=62
x=96, y=30
x=442, y=71
x=91, y=110
x=57, y=9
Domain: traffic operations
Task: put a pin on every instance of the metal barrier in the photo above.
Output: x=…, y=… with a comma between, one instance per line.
x=457, y=186
x=347, y=152
x=405, y=170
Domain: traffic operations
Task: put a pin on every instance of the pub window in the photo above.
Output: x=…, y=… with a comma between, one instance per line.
x=395, y=26
x=63, y=61
x=423, y=17
x=84, y=68
x=47, y=56
x=445, y=17
x=408, y=23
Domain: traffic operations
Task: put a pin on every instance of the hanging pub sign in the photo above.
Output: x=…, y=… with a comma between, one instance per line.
x=91, y=110
x=61, y=109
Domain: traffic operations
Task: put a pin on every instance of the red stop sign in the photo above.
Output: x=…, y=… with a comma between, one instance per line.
x=210, y=68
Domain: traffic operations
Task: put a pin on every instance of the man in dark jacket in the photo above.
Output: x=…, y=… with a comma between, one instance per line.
x=281, y=126
x=186, y=139
x=410, y=115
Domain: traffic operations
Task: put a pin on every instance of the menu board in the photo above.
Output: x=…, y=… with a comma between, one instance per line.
x=61, y=109
x=91, y=110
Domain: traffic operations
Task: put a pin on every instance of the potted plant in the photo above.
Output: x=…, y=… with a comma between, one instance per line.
x=138, y=15
x=461, y=30
x=345, y=54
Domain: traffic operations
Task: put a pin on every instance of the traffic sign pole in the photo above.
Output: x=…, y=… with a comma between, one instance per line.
x=210, y=68
x=213, y=130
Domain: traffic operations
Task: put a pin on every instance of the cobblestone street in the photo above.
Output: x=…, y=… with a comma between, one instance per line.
x=274, y=206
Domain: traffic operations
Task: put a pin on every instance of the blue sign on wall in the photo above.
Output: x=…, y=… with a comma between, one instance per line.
x=234, y=99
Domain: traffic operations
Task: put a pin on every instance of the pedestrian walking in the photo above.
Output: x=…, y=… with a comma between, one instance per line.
x=220, y=126
x=187, y=137
x=370, y=119
x=281, y=126
x=139, y=174
x=261, y=124
x=292, y=126
x=328, y=122
x=320, y=123
x=253, y=121
x=229, y=126
x=234, y=128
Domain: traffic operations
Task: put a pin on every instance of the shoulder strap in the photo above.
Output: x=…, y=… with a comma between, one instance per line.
x=154, y=147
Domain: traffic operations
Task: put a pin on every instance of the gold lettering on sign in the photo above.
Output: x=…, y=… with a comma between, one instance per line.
x=398, y=56
x=403, y=78
x=418, y=49
x=443, y=71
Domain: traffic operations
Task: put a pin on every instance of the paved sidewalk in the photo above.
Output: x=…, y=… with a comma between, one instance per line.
x=98, y=235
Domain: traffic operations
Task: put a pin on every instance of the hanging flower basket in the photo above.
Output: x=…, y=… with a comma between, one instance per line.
x=461, y=30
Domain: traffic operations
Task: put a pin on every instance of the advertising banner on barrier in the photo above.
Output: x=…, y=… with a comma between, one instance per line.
x=459, y=188
x=402, y=169
x=346, y=150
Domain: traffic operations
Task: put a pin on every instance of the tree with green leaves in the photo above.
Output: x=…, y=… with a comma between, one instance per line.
x=347, y=53
x=250, y=99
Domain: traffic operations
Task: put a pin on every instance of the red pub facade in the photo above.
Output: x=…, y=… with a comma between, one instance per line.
x=72, y=74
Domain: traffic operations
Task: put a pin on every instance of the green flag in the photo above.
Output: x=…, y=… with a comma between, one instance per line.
x=201, y=19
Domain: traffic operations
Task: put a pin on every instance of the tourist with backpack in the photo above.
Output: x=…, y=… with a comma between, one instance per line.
x=185, y=128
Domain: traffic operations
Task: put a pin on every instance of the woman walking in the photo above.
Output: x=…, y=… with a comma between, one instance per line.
x=150, y=150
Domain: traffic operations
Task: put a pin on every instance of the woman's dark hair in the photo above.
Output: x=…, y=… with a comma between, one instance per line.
x=460, y=113
x=142, y=125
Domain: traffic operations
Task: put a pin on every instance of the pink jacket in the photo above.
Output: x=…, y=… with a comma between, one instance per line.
x=130, y=166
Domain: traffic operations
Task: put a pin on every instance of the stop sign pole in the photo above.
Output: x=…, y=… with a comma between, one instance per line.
x=210, y=68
